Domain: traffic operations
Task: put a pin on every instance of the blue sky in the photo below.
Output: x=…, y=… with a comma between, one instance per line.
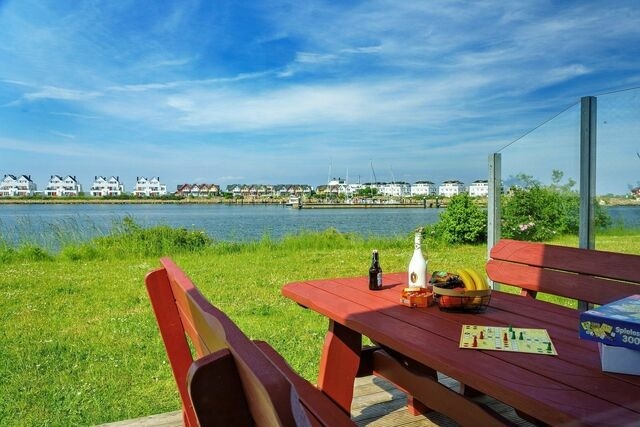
x=280, y=92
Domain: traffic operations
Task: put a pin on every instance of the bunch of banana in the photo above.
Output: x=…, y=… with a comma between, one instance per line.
x=472, y=280
x=453, y=290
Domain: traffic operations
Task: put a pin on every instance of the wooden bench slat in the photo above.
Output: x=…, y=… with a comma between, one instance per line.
x=567, y=284
x=611, y=265
x=593, y=276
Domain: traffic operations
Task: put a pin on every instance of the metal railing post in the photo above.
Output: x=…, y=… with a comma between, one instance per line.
x=494, y=213
x=588, y=145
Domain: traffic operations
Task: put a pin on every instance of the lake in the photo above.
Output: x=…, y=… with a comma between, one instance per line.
x=222, y=222
x=45, y=223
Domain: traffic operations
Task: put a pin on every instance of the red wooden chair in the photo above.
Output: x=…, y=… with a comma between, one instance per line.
x=234, y=380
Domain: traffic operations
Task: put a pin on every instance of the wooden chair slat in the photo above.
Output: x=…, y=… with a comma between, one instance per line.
x=214, y=383
x=172, y=332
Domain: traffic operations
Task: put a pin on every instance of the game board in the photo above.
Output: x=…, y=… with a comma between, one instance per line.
x=522, y=340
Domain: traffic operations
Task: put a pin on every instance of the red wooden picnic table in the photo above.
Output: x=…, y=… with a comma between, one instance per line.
x=567, y=389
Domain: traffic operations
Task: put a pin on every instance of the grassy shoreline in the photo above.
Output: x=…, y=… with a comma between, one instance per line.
x=604, y=200
x=78, y=340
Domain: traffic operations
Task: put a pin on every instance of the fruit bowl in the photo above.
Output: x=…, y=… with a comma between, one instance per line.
x=461, y=299
x=465, y=290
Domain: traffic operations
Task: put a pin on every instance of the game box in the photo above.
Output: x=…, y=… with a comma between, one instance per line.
x=615, y=324
x=619, y=359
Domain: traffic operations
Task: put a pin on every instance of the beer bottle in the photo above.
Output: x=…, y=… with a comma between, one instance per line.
x=417, y=274
x=375, y=272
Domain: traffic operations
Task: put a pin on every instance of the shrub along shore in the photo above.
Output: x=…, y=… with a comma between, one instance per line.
x=78, y=340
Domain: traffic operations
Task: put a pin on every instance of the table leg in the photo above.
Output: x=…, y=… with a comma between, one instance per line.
x=339, y=364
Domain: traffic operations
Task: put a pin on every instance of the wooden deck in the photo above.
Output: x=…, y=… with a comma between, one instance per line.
x=376, y=402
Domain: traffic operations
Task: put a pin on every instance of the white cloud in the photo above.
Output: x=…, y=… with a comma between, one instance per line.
x=52, y=92
x=561, y=74
x=314, y=58
x=78, y=149
x=64, y=135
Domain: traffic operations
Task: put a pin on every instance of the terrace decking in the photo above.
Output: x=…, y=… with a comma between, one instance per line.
x=376, y=402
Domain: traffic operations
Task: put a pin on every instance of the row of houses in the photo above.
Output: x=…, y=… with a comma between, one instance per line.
x=478, y=188
x=268, y=190
x=244, y=190
x=58, y=186
x=23, y=185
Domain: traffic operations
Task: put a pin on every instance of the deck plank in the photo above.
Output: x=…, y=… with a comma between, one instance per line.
x=376, y=403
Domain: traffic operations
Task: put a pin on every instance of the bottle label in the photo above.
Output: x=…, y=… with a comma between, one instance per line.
x=414, y=277
x=379, y=280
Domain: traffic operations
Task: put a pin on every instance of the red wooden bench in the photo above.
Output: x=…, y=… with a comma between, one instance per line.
x=587, y=275
x=233, y=380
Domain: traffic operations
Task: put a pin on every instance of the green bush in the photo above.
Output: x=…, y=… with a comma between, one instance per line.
x=80, y=252
x=32, y=252
x=462, y=222
x=537, y=212
x=7, y=254
x=129, y=237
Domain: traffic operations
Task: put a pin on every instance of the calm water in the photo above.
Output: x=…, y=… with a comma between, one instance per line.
x=46, y=223
x=222, y=222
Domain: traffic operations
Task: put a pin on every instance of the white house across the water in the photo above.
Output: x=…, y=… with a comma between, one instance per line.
x=451, y=188
x=479, y=188
x=149, y=187
x=12, y=186
x=107, y=187
x=423, y=188
x=61, y=187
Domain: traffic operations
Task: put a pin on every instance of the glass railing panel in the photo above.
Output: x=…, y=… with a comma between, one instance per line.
x=540, y=173
x=618, y=166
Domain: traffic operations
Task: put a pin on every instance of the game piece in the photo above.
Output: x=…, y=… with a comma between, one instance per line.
x=529, y=340
x=513, y=334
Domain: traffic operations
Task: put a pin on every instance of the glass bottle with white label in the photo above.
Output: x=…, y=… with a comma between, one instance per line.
x=417, y=274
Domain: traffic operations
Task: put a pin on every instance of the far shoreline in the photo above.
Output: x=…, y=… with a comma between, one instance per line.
x=430, y=203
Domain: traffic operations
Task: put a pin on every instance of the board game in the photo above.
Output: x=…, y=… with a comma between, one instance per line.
x=614, y=324
x=522, y=340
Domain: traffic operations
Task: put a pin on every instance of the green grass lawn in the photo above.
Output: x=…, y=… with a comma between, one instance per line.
x=78, y=340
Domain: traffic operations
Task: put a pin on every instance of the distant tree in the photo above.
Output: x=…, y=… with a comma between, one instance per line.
x=367, y=192
x=521, y=180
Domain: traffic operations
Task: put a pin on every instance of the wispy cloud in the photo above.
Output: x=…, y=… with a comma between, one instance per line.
x=64, y=135
x=75, y=150
x=74, y=115
x=52, y=92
